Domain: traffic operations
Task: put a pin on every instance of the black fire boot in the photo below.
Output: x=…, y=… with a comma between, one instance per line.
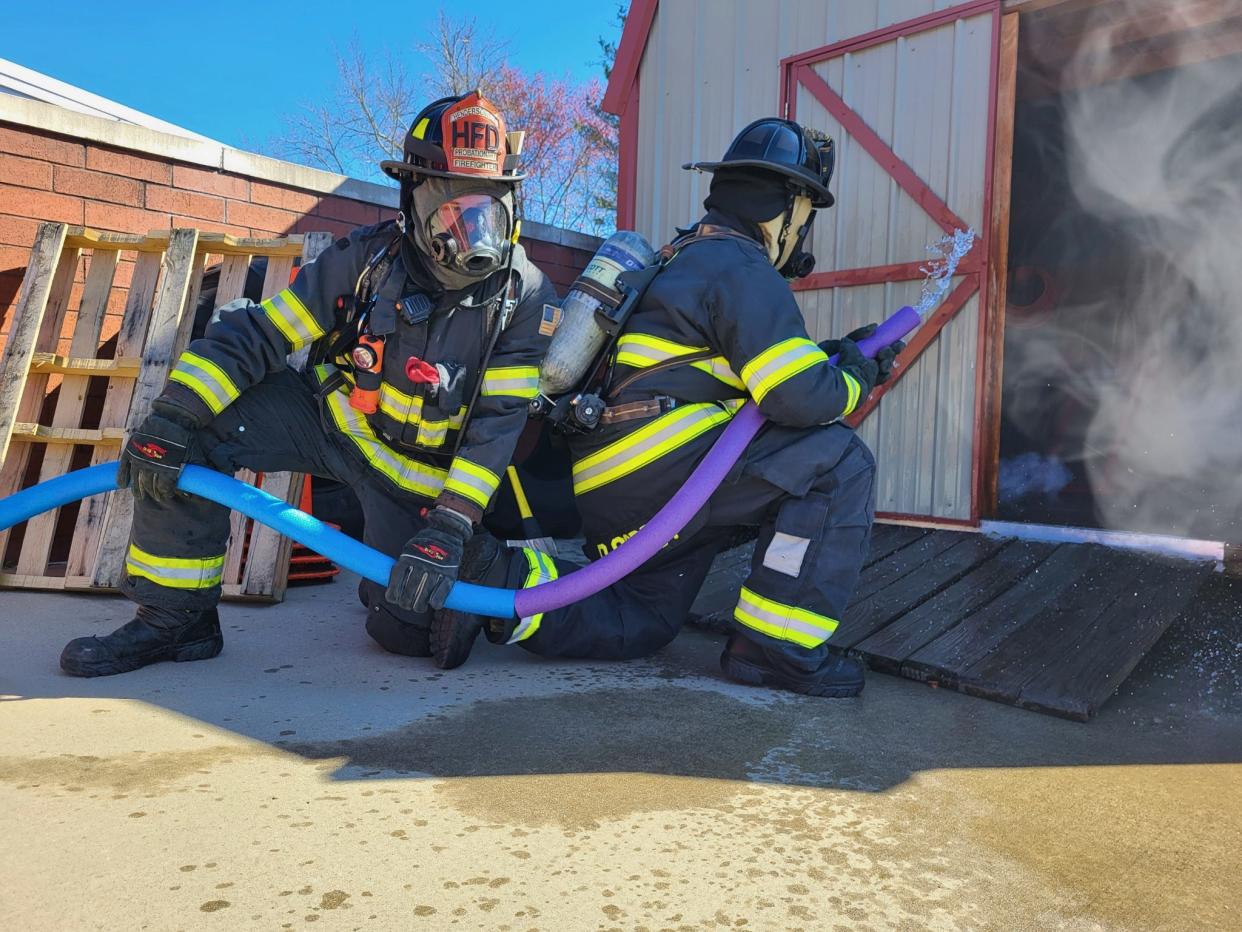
x=747, y=662
x=452, y=632
x=398, y=632
x=153, y=635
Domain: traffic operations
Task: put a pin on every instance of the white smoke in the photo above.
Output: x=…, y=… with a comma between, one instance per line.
x=1154, y=364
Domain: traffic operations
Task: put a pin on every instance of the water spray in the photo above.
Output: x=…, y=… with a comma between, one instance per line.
x=483, y=600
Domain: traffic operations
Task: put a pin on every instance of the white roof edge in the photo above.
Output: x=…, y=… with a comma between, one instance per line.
x=204, y=152
x=560, y=236
x=25, y=82
x=207, y=153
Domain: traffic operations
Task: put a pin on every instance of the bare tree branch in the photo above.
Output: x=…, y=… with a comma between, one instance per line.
x=570, y=157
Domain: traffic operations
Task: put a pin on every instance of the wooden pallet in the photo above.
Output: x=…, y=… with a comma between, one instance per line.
x=155, y=327
x=1054, y=628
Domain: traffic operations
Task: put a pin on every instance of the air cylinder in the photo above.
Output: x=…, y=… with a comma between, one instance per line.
x=578, y=336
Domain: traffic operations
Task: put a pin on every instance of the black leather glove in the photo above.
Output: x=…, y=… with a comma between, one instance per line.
x=884, y=359
x=865, y=371
x=428, y=566
x=155, y=453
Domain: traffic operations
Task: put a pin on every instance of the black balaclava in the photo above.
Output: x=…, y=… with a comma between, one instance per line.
x=747, y=195
x=751, y=197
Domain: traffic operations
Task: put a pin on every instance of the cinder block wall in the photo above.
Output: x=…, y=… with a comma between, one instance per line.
x=79, y=175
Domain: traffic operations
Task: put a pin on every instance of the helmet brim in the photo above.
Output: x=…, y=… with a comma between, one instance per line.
x=820, y=195
x=399, y=170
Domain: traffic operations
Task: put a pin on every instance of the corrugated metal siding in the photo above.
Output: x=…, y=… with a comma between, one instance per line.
x=711, y=66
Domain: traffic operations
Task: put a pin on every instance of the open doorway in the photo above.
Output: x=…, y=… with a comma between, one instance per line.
x=1122, y=390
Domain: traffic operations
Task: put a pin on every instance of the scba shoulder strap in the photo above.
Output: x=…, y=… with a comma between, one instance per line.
x=668, y=252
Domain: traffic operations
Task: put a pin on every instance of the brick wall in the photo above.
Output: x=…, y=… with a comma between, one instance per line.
x=45, y=176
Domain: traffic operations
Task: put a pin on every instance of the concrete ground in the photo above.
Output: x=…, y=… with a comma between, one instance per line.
x=307, y=777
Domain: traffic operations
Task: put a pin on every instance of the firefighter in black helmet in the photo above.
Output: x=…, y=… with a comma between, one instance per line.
x=806, y=482
x=424, y=343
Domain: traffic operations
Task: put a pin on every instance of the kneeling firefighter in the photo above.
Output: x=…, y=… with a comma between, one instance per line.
x=424, y=345
x=716, y=325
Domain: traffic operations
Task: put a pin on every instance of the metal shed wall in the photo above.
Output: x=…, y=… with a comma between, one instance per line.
x=711, y=66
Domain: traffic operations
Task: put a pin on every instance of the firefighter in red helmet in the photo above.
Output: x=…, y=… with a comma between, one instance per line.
x=424, y=344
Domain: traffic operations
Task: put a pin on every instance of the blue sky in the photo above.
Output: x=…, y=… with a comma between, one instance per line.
x=231, y=70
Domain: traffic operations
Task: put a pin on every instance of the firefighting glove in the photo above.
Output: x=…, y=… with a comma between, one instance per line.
x=863, y=370
x=884, y=358
x=428, y=566
x=155, y=454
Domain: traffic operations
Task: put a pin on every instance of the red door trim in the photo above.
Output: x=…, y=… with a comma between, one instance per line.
x=922, y=339
x=878, y=149
x=798, y=71
x=627, y=161
x=971, y=264
x=886, y=33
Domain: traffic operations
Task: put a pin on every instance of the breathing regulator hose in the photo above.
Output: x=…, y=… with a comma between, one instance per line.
x=465, y=597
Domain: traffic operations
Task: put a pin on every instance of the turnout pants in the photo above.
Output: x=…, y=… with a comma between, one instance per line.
x=176, y=552
x=811, y=495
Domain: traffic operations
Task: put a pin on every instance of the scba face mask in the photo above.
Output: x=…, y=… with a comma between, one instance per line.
x=464, y=228
x=784, y=236
x=794, y=261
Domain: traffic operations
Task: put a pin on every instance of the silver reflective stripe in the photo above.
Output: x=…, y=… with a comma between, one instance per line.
x=472, y=481
x=783, y=365
x=432, y=435
x=640, y=351
x=648, y=443
x=292, y=319
x=399, y=406
x=206, y=380
x=175, y=572
x=782, y=621
x=406, y=473
x=523, y=386
x=718, y=367
x=542, y=570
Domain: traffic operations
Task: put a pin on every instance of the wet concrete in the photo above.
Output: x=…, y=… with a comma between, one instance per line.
x=307, y=778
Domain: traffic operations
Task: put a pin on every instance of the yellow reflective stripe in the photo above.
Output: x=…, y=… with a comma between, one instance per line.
x=647, y=444
x=434, y=433
x=783, y=622
x=519, y=493
x=519, y=381
x=718, y=368
x=640, y=350
x=853, y=393
x=399, y=406
x=408, y=409
x=207, y=380
x=175, y=572
x=471, y=481
x=407, y=474
x=292, y=319
x=660, y=348
x=542, y=569
x=779, y=363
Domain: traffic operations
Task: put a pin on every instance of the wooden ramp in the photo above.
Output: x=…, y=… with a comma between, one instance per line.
x=1055, y=628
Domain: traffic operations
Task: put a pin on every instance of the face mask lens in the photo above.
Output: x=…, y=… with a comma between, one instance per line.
x=470, y=233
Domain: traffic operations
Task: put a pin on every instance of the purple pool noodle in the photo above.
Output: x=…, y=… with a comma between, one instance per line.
x=683, y=506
